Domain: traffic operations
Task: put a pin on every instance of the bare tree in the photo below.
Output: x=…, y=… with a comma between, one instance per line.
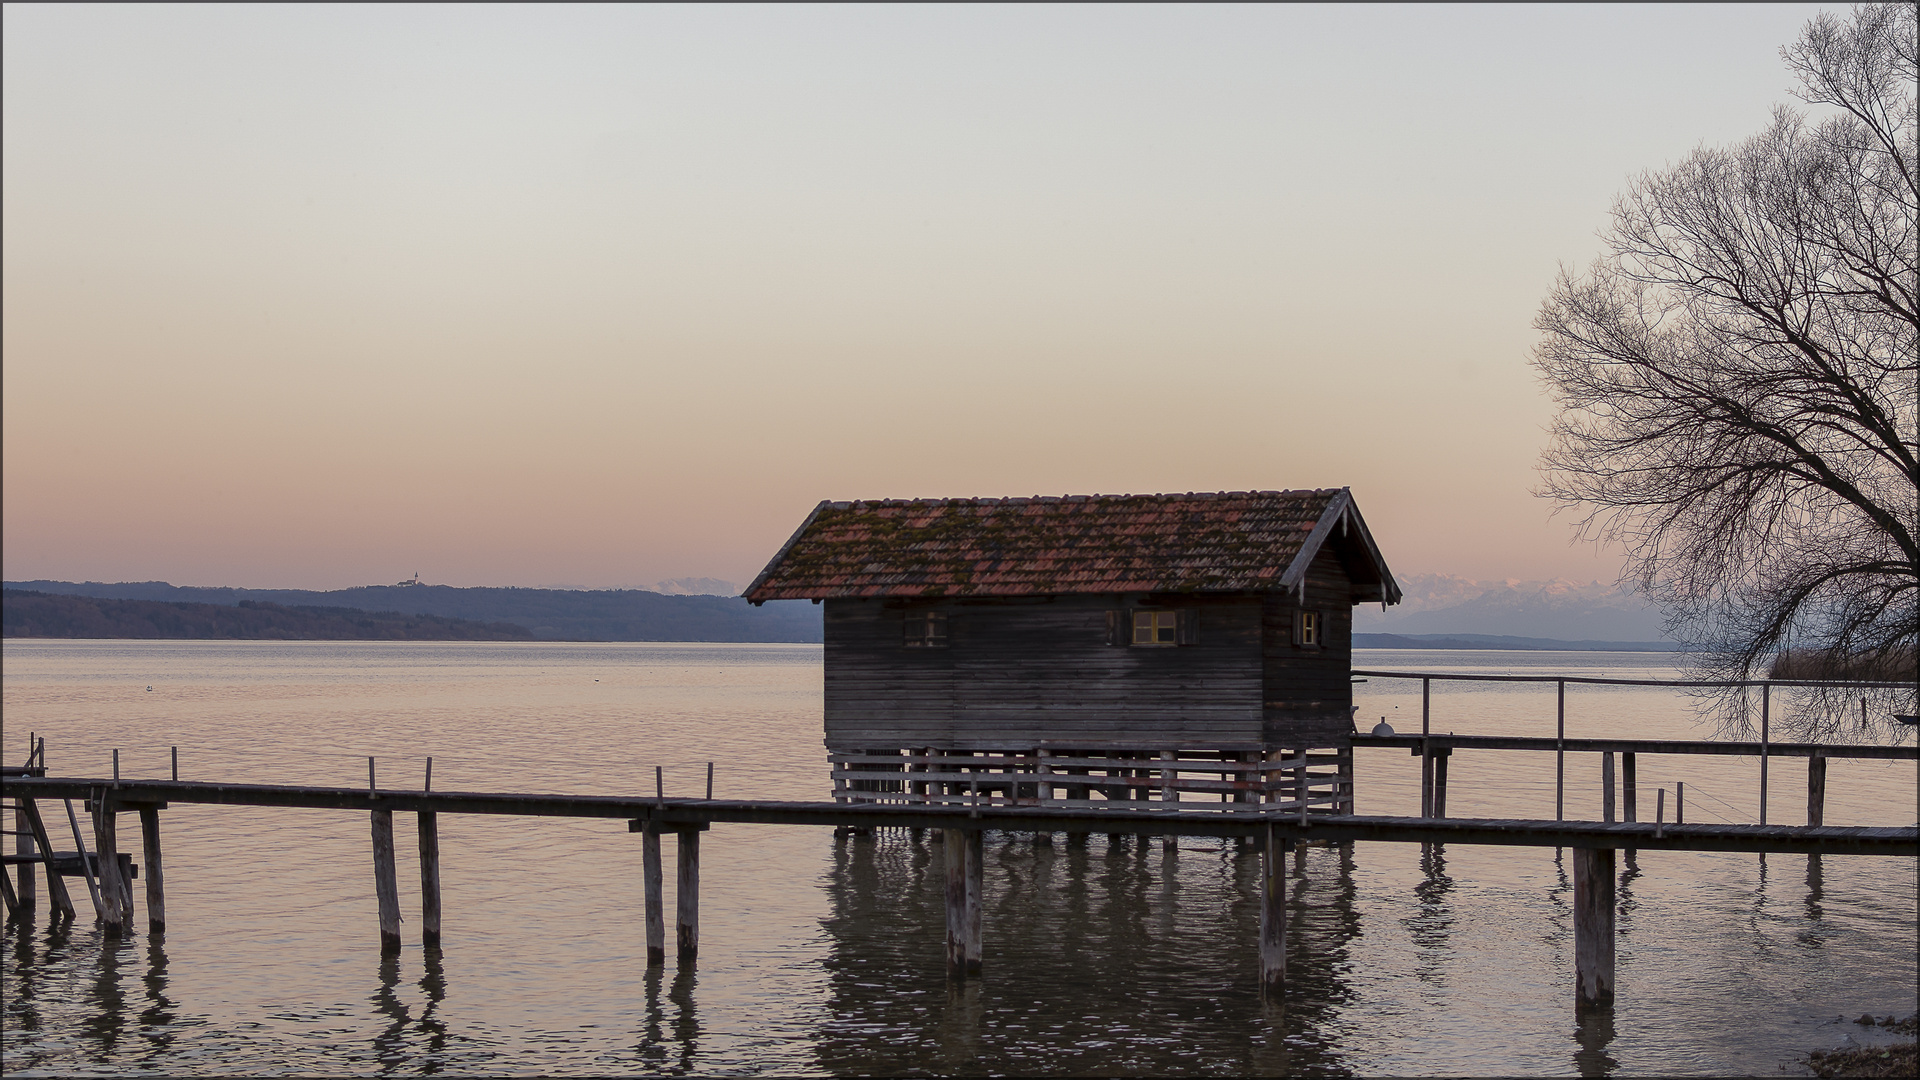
x=1737, y=382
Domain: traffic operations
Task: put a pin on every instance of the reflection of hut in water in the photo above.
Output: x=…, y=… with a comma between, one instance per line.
x=1110, y=958
x=1146, y=649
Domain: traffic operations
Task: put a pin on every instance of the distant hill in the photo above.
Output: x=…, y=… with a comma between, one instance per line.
x=41, y=615
x=1442, y=604
x=548, y=614
x=1496, y=641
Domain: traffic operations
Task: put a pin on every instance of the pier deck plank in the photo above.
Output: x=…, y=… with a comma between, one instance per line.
x=672, y=813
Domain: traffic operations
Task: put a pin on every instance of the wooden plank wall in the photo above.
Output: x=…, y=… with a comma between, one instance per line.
x=1020, y=672
x=1309, y=698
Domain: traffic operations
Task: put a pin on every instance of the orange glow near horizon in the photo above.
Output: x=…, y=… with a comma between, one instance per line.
x=313, y=298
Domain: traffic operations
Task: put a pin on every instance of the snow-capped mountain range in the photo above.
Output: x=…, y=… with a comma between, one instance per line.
x=1568, y=610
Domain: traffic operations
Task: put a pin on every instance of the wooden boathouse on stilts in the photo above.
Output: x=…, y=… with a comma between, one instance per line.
x=1134, y=650
x=1187, y=652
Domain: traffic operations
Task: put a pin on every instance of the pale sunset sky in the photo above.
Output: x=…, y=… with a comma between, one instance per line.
x=312, y=297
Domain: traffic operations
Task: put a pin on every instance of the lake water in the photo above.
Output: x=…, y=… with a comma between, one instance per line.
x=825, y=956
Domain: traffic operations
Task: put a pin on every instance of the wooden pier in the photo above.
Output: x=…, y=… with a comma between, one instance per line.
x=963, y=829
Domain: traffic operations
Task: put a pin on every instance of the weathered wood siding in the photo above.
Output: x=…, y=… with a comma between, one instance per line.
x=1021, y=672
x=1309, y=698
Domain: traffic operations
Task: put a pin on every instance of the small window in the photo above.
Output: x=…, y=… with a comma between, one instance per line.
x=1309, y=636
x=926, y=630
x=1155, y=628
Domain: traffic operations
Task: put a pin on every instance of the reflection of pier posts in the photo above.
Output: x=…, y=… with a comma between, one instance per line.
x=1593, y=914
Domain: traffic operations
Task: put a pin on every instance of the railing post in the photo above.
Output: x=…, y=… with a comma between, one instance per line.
x=1629, y=787
x=1606, y=787
x=1560, y=754
x=1766, y=698
x=1817, y=789
x=1426, y=749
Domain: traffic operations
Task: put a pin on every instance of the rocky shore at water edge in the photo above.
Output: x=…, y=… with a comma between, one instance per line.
x=1892, y=1059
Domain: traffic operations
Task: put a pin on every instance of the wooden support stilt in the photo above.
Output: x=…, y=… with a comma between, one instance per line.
x=656, y=901
x=1345, y=805
x=1273, y=915
x=1168, y=794
x=116, y=895
x=965, y=854
x=87, y=868
x=1440, y=759
x=1817, y=789
x=386, y=886
x=1680, y=802
x=1606, y=786
x=156, y=878
x=1593, y=911
x=429, y=879
x=56, y=888
x=23, y=845
x=687, y=896
x=11, y=901
x=1629, y=786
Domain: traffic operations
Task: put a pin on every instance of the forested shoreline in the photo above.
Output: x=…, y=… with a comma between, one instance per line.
x=27, y=614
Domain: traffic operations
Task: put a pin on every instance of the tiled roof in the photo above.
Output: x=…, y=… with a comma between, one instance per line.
x=1226, y=541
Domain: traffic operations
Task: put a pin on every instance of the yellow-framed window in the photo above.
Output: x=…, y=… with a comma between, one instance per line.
x=1155, y=628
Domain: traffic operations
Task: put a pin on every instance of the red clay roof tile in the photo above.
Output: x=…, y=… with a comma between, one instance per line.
x=1226, y=541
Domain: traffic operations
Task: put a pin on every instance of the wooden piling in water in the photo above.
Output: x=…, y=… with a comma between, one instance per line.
x=1593, y=913
x=687, y=895
x=1440, y=759
x=429, y=823
x=653, y=886
x=386, y=886
x=965, y=852
x=156, y=879
x=116, y=894
x=1273, y=915
x=23, y=845
x=1817, y=789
